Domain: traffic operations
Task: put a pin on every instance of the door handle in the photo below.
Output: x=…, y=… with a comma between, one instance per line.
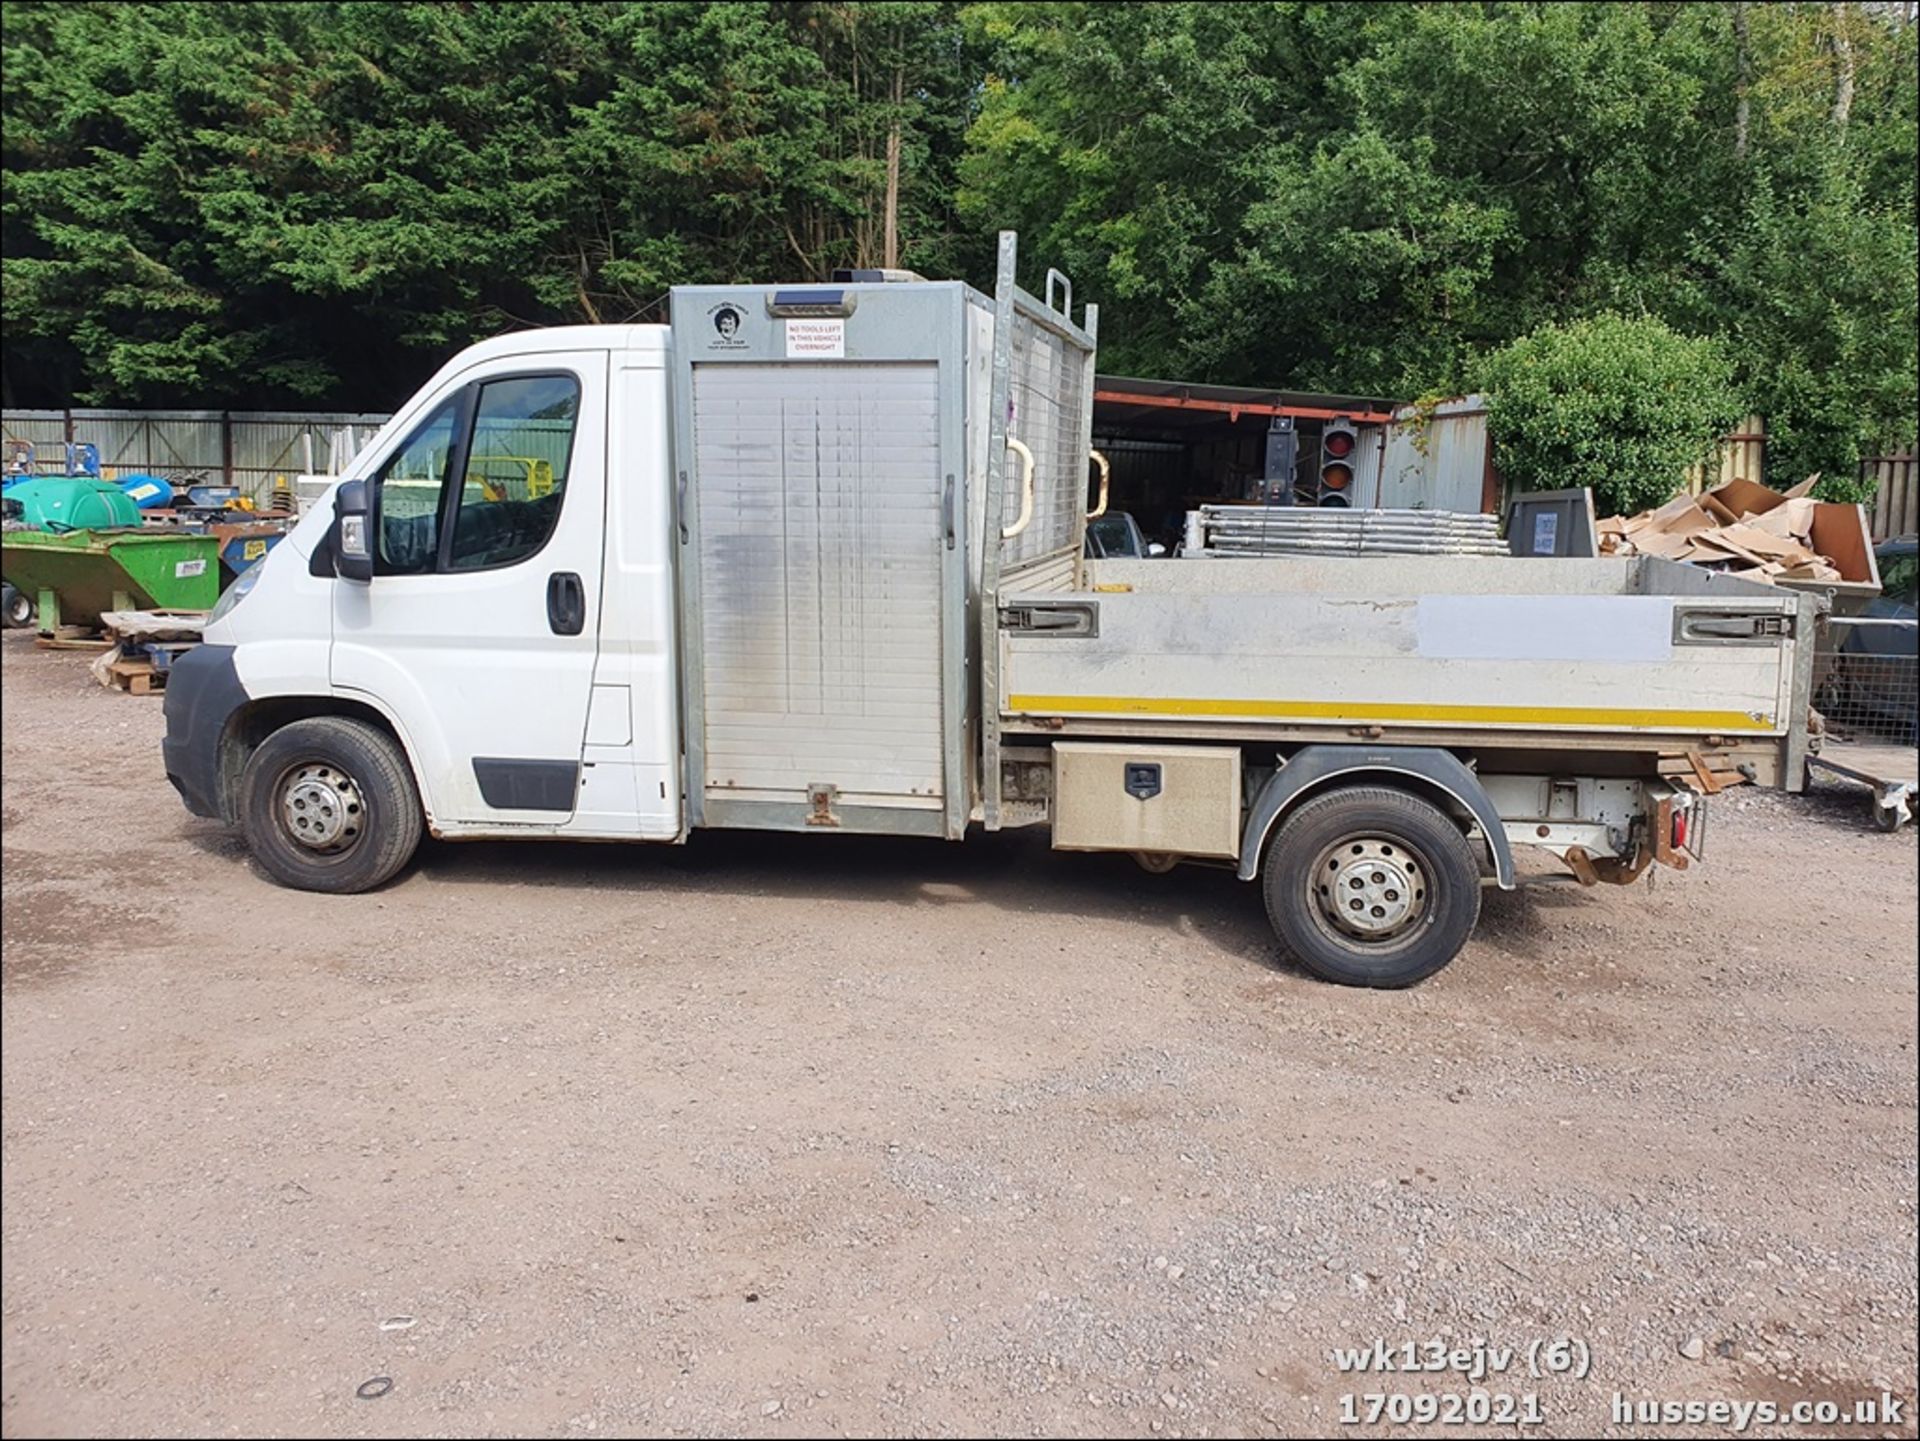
x=946, y=510
x=566, y=603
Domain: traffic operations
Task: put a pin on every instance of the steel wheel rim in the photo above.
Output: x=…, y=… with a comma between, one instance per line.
x=321, y=808
x=1370, y=890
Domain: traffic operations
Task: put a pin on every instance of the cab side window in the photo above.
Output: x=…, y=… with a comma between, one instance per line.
x=411, y=486
x=516, y=470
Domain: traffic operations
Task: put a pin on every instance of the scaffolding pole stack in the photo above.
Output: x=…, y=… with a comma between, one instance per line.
x=1244, y=530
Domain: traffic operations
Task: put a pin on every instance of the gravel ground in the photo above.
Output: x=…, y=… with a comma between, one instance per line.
x=813, y=1135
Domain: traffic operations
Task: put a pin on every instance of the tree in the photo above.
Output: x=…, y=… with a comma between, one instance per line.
x=263, y=203
x=254, y=203
x=1369, y=198
x=1623, y=405
x=1807, y=268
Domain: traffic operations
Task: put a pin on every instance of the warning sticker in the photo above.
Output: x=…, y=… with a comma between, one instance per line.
x=816, y=339
x=185, y=568
x=253, y=550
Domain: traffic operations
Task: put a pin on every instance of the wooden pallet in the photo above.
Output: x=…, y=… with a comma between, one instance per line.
x=136, y=677
x=72, y=637
x=1708, y=774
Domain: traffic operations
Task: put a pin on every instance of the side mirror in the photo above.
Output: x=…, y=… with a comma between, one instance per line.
x=353, y=531
x=1154, y=548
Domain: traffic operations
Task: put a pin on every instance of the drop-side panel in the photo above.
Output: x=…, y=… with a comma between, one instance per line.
x=1613, y=664
x=819, y=494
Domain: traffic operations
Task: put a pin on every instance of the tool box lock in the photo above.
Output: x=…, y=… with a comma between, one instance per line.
x=1143, y=779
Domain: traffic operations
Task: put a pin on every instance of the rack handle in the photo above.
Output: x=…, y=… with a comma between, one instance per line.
x=1066, y=287
x=1106, y=475
x=1026, y=490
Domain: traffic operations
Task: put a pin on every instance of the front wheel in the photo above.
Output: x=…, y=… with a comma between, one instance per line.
x=16, y=607
x=328, y=804
x=1372, y=887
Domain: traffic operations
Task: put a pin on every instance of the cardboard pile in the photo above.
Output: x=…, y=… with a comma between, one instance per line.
x=1740, y=527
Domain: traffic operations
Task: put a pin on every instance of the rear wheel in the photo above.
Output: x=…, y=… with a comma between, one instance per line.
x=328, y=804
x=1372, y=887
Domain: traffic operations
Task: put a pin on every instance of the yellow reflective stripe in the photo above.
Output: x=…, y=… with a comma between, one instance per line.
x=1368, y=712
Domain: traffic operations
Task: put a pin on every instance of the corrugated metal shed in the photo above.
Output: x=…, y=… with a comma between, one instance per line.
x=1175, y=444
x=1437, y=460
x=245, y=448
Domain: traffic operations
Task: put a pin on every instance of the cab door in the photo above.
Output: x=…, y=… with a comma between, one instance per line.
x=477, y=634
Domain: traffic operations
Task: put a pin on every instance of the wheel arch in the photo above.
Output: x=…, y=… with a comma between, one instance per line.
x=252, y=723
x=1432, y=774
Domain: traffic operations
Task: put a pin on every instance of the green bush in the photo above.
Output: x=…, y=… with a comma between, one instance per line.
x=1622, y=404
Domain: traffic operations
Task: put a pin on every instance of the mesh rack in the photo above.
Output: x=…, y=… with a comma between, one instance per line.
x=1866, y=679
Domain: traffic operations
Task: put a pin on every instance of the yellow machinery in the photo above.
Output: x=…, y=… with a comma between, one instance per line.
x=511, y=477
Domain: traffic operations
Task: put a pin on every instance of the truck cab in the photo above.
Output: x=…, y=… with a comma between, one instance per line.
x=514, y=633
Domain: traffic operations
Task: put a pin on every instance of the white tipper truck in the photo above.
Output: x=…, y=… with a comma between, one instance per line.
x=810, y=559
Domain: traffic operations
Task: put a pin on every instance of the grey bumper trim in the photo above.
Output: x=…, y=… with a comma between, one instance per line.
x=203, y=691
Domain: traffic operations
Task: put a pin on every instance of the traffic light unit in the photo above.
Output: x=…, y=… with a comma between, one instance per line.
x=1328, y=478
x=1338, y=441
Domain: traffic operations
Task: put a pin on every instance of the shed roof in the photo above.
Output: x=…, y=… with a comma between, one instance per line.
x=1174, y=404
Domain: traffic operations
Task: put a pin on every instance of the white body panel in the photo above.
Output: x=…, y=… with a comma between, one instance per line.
x=632, y=750
x=288, y=626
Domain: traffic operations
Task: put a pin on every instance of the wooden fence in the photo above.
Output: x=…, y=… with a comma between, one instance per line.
x=1742, y=457
x=1895, y=509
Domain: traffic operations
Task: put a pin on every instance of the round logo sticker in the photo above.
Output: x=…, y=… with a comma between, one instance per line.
x=726, y=323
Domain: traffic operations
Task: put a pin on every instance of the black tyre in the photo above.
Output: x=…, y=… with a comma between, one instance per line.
x=1372, y=887
x=16, y=607
x=328, y=804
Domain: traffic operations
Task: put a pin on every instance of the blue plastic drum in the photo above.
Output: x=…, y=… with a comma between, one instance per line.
x=149, y=492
